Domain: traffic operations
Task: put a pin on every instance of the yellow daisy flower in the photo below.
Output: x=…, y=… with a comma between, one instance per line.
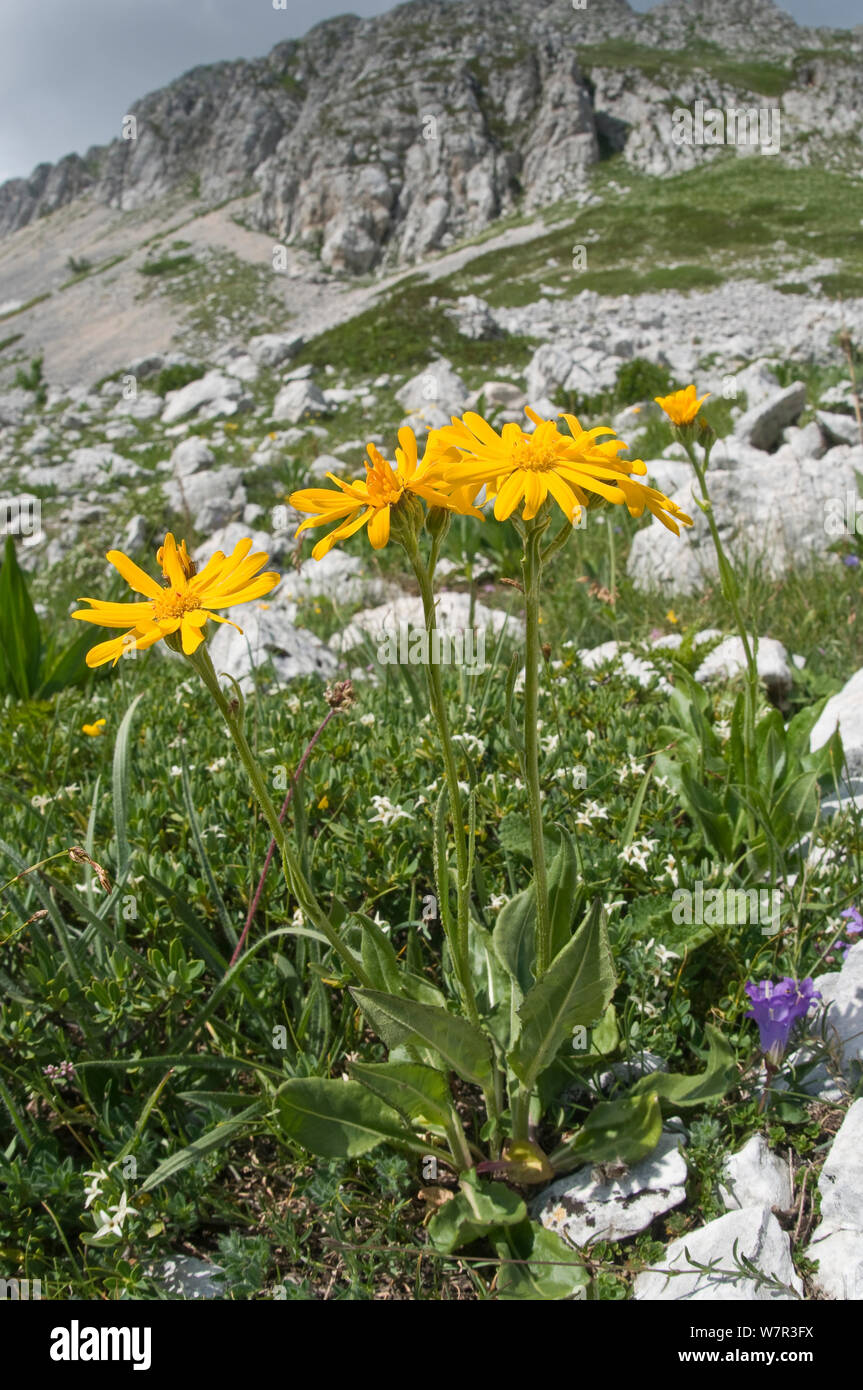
x=94, y=730
x=182, y=605
x=681, y=407
x=574, y=469
x=369, y=501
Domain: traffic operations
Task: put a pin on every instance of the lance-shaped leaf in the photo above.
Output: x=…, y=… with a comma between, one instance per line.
x=337, y=1119
x=542, y=1269
x=417, y=1092
x=711, y=1084
x=625, y=1131
x=576, y=989
x=515, y=930
x=479, y=1208
x=404, y=1022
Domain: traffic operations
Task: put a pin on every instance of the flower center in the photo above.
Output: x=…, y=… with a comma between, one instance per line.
x=532, y=454
x=383, y=491
x=173, y=605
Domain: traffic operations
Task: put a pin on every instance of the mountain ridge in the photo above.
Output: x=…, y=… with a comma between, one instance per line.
x=346, y=157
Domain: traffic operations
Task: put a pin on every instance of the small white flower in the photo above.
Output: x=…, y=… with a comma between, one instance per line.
x=386, y=813
x=368, y=720
x=662, y=782
x=723, y=728
x=670, y=867
x=94, y=1189
x=590, y=812
x=497, y=901
x=550, y=744
x=217, y=764
x=175, y=771
x=298, y=920
x=473, y=744
x=590, y=736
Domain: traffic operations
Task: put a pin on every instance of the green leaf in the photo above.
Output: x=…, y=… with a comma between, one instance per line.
x=66, y=666
x=20, y=634
x=404, y=1022
x=711, y=1084
x=551, y=1271
x=606, y=1035
x=419, y=1093
x=121, y=786
x=379, y=959
x=707, y=809
x=576, y=989
x=563, y=895
x=514, y=938
x=624, y=1130
x=215, y=1138
x=336, y=1119
x=515, y=837
x=479, y=1208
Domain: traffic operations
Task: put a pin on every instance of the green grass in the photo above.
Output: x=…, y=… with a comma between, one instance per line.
x=767, y=79
x=691, y=231
x=403, y=332
x=167, y=265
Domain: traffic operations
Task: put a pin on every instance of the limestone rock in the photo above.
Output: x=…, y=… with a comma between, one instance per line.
x=728, y=661
x=760, y=1239
x=763, y=424
x=300, y=400
x=845, y=712
x=587, y=1206
x=755, y=1177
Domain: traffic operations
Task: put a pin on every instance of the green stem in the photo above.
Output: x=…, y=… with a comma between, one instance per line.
x=459, y=944
x=532, y=569
x=294, y=876
x=732, y=594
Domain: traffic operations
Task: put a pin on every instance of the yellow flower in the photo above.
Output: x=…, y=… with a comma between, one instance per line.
x=671, y=616
x=681, y=407
x=323, y=803
x=94, y=730
x=182, y=605
x=370, y=501
x=574, y=469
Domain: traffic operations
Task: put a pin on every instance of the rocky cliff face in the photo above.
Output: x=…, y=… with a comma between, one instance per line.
x=376, y=141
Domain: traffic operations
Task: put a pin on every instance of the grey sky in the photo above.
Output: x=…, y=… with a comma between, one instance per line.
x=69, y=71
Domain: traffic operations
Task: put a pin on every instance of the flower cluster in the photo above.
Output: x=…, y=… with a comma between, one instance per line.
x=515, y=469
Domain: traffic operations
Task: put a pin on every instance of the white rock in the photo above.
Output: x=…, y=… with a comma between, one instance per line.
x=842, y=997
x=244, y=368
x=186, y=1277
x=728, y=661
x=758, y=382
x=668, y=475
x=756, y=519
x=211, y=498
x=300, y=400
x=136, y=534
x=269, y=349
x=584, y=1210
x=755, y=1177
x=806, y=443
x=837, y=1242
x=499, y=393
x=146, y=405
x=838, y=429
x=439, y=386
x=337, y=576
x=215, y=386
x=763, y=424
x=406, y=613
x=268, y=634
x=191, y=456
x=760, y=1239
x=326, y=463
x=845, y=712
